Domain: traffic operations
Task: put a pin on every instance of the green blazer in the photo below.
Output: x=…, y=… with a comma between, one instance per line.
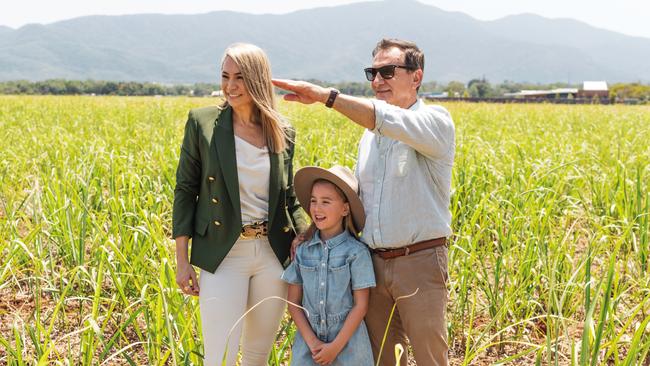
x=206, y=199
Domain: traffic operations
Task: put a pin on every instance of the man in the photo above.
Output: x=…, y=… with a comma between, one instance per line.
x=404, y=171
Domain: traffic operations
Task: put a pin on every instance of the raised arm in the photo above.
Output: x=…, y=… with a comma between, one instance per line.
x=429, y=130
x=359, y=110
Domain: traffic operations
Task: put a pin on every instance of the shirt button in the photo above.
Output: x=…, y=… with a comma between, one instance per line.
x=322, y=264
x=322, y=321
x=322, y=284
x=211, y=179
x=217, y=223
x=321, y=302
x=215, y=200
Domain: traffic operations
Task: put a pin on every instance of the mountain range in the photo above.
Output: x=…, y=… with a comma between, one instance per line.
x=330, y=44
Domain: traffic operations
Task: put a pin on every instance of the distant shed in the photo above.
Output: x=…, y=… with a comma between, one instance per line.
x=560, y=93
x=594, y=89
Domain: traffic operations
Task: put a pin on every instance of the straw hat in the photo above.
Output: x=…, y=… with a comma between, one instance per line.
x=341, y=177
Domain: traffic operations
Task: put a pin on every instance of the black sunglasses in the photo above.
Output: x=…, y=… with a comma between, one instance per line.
x=386, y=72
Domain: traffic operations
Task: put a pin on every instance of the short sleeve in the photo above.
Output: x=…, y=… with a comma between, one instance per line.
x=362, y=273
x=292, y=274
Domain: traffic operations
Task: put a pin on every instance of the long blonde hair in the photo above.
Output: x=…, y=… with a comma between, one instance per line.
x=256, y=72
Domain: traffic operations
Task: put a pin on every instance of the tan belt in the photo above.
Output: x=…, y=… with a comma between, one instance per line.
x=254, y=230
x=399, y=252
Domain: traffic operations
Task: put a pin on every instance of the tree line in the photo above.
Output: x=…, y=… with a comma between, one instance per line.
x=475, y=88
x=98, y=87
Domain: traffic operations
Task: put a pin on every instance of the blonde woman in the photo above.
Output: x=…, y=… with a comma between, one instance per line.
x=234, y=198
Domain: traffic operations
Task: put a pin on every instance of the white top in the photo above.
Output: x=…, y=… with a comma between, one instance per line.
x=404, y=171
x=253, y=171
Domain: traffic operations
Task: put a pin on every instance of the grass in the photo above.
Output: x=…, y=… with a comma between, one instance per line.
x=549, y=262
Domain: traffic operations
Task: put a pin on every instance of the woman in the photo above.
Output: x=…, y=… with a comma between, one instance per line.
x=235, y=199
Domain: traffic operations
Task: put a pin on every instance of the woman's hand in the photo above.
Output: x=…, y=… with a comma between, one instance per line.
x=301, y=238
x=185, y=274
x=295, y=243
x=186, y=279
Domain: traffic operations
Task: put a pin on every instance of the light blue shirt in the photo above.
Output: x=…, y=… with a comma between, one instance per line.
x=404, y=172
x=329, y=271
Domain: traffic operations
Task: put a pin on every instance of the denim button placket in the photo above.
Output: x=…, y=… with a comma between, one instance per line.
x=323, y=258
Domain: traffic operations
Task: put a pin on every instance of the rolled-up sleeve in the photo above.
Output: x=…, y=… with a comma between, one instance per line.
x=428, y=130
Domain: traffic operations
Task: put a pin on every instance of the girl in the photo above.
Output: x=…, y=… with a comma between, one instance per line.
x=331, y=273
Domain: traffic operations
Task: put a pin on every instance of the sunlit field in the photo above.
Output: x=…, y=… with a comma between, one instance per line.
x=548, y=263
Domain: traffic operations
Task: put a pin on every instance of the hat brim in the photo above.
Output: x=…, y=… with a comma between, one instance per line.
x=304, y=179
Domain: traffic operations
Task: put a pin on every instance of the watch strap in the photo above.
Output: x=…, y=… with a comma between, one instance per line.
x=332, y=97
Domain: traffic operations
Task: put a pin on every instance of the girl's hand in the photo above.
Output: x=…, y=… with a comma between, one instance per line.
x=186, y=279
x=327, y=353
x=315, y=346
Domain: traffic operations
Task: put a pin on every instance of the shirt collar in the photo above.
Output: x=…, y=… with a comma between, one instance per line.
x=416, y=105
x=331, y=243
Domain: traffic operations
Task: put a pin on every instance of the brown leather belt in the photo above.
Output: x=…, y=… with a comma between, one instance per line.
x=399, y=252
x=254, y=230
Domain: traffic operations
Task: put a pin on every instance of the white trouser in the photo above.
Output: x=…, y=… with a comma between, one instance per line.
x=249, y=273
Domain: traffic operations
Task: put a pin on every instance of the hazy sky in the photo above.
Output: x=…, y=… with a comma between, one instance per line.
x=626, y=16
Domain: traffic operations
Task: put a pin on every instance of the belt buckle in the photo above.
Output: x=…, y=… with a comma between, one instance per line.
x=244, y=229
x=255, y=227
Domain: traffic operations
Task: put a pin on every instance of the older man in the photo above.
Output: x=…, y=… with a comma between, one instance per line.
x=404, y=169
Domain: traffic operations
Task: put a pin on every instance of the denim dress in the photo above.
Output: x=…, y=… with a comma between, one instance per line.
x=328, y=273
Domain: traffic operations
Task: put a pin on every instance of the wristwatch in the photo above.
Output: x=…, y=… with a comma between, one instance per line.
x=330, y=100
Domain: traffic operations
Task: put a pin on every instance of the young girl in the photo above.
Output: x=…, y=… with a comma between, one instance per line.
x=331, y=273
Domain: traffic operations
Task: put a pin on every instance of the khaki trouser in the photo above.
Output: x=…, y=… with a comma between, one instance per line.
x=249, y=273
x=421, y=318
